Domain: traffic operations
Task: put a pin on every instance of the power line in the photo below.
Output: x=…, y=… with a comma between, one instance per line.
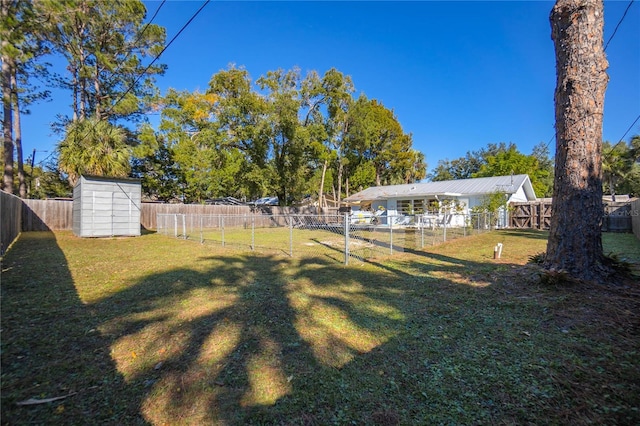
x=132, y=85
x=41, y=162
x=621, y=140
x=618, y=25
x=605, y=49
x=630, y=127
x=140, y=34
x=158, y=56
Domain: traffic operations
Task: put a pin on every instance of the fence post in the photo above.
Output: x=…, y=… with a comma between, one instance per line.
x=184, y=226
x=346, y=237
x=222, y=228
x=253, y=232
x=175, y=226
x=201, y=236
x=391, y=235
x=464, y=225
x=290, y=236
x=444, y=226
x=422, y=236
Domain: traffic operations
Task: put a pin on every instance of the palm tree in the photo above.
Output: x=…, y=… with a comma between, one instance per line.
x=94, y=147
x=616, y=164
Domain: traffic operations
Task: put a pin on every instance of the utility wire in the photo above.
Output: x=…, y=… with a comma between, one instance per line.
x=140, y=34
x=621, y=140
x=149, y=66
x=158, y=56
x=41, y=162
x=605, y=49
x=630, y=127
x=618, y=25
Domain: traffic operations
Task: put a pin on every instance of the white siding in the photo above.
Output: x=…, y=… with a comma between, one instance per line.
x=519, y=196
x=103, y=208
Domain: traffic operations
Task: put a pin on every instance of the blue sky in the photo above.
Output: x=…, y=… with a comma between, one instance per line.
x=458, y=75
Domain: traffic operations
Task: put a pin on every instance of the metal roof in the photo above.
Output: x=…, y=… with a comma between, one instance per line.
x=477, y=186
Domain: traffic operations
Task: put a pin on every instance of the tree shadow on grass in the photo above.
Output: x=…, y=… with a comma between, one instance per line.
x=258, y=339
x=227, y=343
x=51, y=346
x=263, y=339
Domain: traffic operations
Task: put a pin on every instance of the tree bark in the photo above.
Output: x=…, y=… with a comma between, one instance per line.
x=7, y=123
x=575, y=239
x=321, y=191
x=17, y=133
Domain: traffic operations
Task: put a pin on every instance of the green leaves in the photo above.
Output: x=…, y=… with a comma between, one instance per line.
x=620, y=167
x=501, y=160
x=94, y=147
x=375, y=135
x=103, y=43
x=289, y=136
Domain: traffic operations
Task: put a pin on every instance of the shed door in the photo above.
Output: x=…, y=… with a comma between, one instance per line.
x=102, y=214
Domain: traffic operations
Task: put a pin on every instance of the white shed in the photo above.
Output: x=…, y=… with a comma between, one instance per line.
x=105, y=207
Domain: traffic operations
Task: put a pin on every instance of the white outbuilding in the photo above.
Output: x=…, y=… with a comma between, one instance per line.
x=106, y=207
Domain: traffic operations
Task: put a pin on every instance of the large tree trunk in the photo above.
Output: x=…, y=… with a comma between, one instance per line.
x=575, y=240
x=337, y=197
x=74, y=84
x=7, y=180
x=17, y=133
x=98, y=94
x=321, y=191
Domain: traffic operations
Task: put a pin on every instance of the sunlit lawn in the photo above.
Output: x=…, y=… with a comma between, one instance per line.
x=328, y=241
x=155, y=330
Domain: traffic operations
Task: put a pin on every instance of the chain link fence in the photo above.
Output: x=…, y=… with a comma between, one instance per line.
x=341, y=237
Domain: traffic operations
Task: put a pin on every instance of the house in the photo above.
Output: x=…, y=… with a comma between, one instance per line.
x=105, y=207
x=434, y=199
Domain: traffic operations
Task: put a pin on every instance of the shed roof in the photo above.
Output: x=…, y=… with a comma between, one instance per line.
x=476, y=186
x=108, y=179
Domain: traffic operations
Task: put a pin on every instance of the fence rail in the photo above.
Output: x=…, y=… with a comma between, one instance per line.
x=532, y=215
x=47, y=215
x=537, y=215
x=338, y=236
x=635, y=218
x=10, y=214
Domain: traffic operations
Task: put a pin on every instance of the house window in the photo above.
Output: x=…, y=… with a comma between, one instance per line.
x=405, y=206
x=410, y=207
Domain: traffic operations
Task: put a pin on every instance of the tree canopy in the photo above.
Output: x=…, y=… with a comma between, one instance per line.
x=104, y=45
x=287, y=135
x=501, y=160
x=621, y=167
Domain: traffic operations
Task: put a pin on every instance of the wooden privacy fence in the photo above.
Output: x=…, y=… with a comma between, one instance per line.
x=617, y=217
x=42, y=215
x=635, y=217
x=150, y=211
x=47, y=215
x=537, y=215
x=532, y=215
x=56, y=215
x=10, y=213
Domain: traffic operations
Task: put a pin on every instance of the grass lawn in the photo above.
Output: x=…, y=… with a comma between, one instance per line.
x=154, y=330
x=329, y=241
